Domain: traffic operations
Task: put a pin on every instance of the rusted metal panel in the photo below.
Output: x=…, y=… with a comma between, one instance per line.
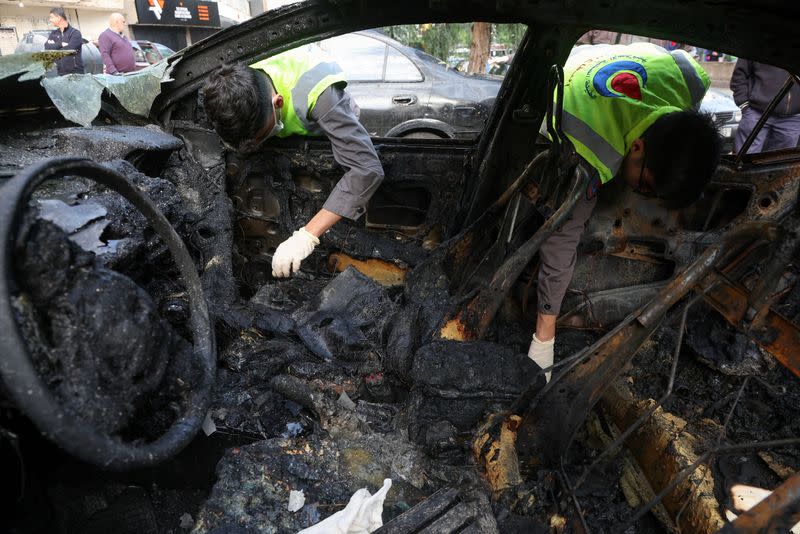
x=477, y=315
x=662, y=457
x=550, y=423
x=776, y=334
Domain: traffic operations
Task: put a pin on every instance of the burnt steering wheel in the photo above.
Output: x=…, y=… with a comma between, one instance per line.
x=19, y=375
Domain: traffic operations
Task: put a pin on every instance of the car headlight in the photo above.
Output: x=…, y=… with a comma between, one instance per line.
x=737, y=115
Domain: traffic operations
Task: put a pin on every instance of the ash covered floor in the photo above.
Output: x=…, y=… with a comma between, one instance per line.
x=330, y=382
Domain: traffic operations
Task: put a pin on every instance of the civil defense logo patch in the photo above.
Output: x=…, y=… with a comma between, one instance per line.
x=593, y=188
x=621, y=78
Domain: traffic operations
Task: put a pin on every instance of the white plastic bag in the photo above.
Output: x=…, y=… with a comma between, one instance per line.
x=362, y=515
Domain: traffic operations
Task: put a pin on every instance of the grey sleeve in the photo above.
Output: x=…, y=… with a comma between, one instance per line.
x=557, y=258
x=335, y=113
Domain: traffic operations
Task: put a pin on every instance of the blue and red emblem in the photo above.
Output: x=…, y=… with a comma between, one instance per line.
x=593, y=188
x=621, y=78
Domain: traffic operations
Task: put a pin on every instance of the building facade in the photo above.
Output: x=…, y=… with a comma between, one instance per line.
x=19, y=18
x=174, y=23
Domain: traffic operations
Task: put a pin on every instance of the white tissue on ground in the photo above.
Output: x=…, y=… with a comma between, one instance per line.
x=208, y=425
x=292, y=430
x=296, y=500
x=362, y=515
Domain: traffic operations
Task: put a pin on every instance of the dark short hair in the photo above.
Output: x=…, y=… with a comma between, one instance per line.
x=58, y=12
x=236, y=99
x=682, y=151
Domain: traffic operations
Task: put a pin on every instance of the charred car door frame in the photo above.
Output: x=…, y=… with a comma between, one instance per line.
x=275, y=191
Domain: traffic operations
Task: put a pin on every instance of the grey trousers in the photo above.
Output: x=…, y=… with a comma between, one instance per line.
x=778, y=132
x=557, y=258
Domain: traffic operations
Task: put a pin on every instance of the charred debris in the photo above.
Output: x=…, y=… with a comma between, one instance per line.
x=381, y=358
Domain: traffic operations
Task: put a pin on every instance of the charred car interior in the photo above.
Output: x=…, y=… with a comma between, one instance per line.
x=157, y=378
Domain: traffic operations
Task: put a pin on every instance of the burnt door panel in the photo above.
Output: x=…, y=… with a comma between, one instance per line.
x=422, y=189
x=280, y=189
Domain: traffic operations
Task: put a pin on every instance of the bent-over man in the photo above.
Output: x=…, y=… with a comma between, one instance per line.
x=298, y=92
x=630, y=112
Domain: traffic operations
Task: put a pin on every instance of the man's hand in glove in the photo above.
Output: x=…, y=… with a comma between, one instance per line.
x=291, y=252
x=541, y=352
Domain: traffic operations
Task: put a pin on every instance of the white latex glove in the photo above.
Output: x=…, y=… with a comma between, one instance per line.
x=362, y=515
x=541, y=352
x=291, y=252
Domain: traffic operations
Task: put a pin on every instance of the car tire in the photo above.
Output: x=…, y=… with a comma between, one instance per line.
x=424, y=134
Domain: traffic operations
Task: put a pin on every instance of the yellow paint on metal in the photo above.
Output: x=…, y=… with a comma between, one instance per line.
x=384, y=272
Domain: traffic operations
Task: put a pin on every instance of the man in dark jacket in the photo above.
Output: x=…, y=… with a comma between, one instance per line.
x=754, y=85
x=65, y=37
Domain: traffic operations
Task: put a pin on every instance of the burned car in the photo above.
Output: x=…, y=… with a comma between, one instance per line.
x=156, y=378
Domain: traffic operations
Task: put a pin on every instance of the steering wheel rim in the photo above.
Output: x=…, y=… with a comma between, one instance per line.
x=19, y=376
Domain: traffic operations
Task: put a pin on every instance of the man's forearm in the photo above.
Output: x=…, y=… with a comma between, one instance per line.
x=322, y=222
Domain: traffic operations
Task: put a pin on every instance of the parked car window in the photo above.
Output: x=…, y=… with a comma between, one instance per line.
x=139, y=56
x=404, y=87
x=362, y=58
x=164, y=50
x=400, y=69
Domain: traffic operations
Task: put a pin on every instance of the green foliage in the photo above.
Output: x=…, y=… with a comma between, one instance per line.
x=508, y=34
x=441, y=40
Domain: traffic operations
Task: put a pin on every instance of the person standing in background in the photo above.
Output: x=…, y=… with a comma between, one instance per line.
x=65, y=37
x=754, y=85
x=115, y=48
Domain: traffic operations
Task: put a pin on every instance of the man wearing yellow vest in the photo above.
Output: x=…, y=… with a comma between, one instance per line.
x=630, y=112
x=298, y=92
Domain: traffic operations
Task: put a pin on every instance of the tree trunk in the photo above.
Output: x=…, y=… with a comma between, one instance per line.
x=479, y=47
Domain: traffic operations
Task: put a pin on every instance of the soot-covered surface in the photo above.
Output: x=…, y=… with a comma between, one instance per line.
x=326, y=383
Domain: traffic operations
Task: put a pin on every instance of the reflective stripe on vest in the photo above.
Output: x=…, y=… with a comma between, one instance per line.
x=690, y=76
x=305, y=85
x=300, y=76
x=592, y=140
x=614, y=93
